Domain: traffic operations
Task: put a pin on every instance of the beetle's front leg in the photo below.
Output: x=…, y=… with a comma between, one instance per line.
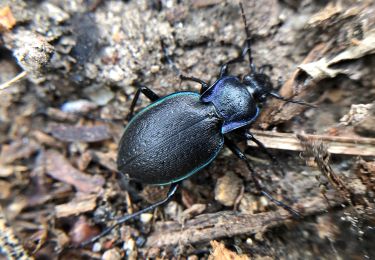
x=203, y=83
x=151, y=95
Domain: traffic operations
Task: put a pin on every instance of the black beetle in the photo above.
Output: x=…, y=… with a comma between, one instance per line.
x=178, y=135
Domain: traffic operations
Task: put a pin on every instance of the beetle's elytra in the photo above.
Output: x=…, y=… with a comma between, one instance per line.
x=170, y=140
x=178, y=135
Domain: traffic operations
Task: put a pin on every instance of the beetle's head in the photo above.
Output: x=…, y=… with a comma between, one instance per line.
x=259, y=85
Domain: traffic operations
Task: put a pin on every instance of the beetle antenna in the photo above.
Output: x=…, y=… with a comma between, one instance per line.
x=248, y=40
x=168, y=57
x=287, y=100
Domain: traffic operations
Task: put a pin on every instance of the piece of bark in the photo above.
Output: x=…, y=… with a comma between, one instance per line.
x=207, y=227
x=60, y=169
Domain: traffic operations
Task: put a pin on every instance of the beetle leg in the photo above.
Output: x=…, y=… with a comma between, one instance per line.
x=121, y=220
x=261, y=146
x=203, y=84
x=264, y=67
x=151, y=95
x=256, y=181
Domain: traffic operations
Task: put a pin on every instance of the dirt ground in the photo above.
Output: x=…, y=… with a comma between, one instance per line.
x=68, y=74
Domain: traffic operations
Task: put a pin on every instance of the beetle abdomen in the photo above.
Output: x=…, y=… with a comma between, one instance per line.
x=170, y=140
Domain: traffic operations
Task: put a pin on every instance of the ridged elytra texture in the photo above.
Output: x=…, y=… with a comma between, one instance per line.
x=170, y=140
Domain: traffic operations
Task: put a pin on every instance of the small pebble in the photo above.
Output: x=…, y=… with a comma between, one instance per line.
x=111, y=254
x=78, y=106
x=146, y=217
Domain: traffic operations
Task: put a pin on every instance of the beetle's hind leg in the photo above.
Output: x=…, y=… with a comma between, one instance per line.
x=232, y=146
x=172, y=190
x=151, y=95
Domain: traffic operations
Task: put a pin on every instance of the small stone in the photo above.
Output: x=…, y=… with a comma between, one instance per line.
x=146, y=217
x=97, y=247
x=228, y=188
x=116, y=74
x=91, y=71
x=155, y=69
x=111, y=254
x=99, y=94
x=78, y=106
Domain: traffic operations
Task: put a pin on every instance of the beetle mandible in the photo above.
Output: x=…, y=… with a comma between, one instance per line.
x=179, y=134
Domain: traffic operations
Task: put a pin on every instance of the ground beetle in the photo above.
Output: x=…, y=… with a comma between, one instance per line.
x=178, y=135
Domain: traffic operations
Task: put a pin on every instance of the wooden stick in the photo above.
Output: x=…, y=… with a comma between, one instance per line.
x=207, y=227
x=359, y=146
x=13, y=80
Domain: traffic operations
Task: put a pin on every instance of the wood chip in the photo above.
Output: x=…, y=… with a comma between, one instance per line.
x=59, y=168
x=19, y=149
x=108, y=160
x=88, y=134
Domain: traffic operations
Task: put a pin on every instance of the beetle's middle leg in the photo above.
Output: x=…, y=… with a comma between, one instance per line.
x=244, y=135
x=151, y=95
x=261, y=146
x=255, y=178
x=172, y=190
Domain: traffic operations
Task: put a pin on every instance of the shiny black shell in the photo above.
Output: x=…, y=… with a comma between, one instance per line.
x=170, y=139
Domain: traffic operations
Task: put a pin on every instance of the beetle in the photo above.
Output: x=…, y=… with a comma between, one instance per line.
x=181, y=133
